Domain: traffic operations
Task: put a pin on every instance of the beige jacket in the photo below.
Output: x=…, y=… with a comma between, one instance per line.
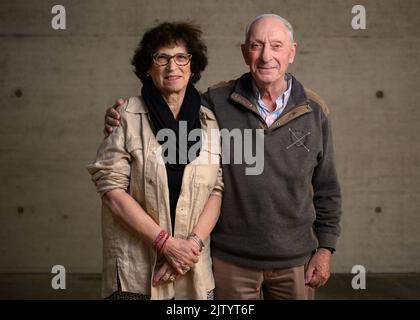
x=130, y=159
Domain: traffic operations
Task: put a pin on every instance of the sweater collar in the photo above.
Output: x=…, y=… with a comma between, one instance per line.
x=244, y=94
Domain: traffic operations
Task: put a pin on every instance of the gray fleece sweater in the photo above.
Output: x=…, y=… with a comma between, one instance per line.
x=278, y=218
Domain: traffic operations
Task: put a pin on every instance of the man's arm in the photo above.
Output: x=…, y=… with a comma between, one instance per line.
x=112, y=117
x=327, y=194
x=327, y=203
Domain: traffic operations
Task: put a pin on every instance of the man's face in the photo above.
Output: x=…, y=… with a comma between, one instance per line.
x=269, y=51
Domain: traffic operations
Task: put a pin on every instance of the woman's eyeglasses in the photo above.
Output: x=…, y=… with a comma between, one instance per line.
x=181, y=59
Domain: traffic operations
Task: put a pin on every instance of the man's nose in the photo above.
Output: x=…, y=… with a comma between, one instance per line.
x=266, y=54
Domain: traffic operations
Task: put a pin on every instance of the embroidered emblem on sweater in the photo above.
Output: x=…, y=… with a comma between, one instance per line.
x=298, y=138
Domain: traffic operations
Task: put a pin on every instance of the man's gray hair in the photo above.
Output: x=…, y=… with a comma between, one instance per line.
x=285, y=22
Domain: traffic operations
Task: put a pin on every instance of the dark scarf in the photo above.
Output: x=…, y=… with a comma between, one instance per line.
x=162, y=118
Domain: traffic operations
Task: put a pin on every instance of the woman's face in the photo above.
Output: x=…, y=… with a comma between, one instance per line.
x=171, y=78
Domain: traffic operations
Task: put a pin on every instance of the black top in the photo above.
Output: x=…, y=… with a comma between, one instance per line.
x=176, y=147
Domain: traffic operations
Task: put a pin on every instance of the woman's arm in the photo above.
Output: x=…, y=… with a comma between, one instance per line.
x=211, y=211
x=131, y=214
x=202, y=229
x=206, y=222
x=111, y=173
x=208, y=217
x=181, y=253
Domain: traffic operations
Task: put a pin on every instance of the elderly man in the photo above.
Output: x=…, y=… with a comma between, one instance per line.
x=277, y=230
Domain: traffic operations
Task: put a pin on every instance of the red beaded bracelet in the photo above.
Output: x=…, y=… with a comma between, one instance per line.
x=162, y=246
x=159, y=238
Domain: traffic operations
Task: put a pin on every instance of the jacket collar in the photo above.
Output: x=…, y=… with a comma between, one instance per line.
x=137, y=105
x=243, y=93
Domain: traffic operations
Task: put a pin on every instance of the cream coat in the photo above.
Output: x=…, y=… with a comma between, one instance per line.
x=130, y=159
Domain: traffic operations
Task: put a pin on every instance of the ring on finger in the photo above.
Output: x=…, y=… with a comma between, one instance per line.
x=165, y=277
x=172, y=278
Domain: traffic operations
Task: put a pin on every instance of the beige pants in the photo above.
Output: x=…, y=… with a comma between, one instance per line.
x=239, y=283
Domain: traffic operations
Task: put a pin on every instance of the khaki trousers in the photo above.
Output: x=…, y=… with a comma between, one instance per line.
x=234, y=282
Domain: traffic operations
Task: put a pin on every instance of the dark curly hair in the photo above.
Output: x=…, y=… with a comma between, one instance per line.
x=169, y=33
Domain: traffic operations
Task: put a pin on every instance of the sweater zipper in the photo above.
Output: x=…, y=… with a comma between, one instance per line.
x=284, y=119
x=296, y=112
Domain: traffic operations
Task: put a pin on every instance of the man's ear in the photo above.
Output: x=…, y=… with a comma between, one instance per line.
x=293, y=52
x=245, y=53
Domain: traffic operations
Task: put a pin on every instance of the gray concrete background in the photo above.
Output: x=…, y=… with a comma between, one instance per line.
x=55, y=86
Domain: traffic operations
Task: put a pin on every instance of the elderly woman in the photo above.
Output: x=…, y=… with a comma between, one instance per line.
x=161, y=197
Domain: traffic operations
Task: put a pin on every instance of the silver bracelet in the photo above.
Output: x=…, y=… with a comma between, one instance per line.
x=193, y=236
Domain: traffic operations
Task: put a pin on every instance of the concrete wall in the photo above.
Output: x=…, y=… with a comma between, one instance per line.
x=55, y=86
